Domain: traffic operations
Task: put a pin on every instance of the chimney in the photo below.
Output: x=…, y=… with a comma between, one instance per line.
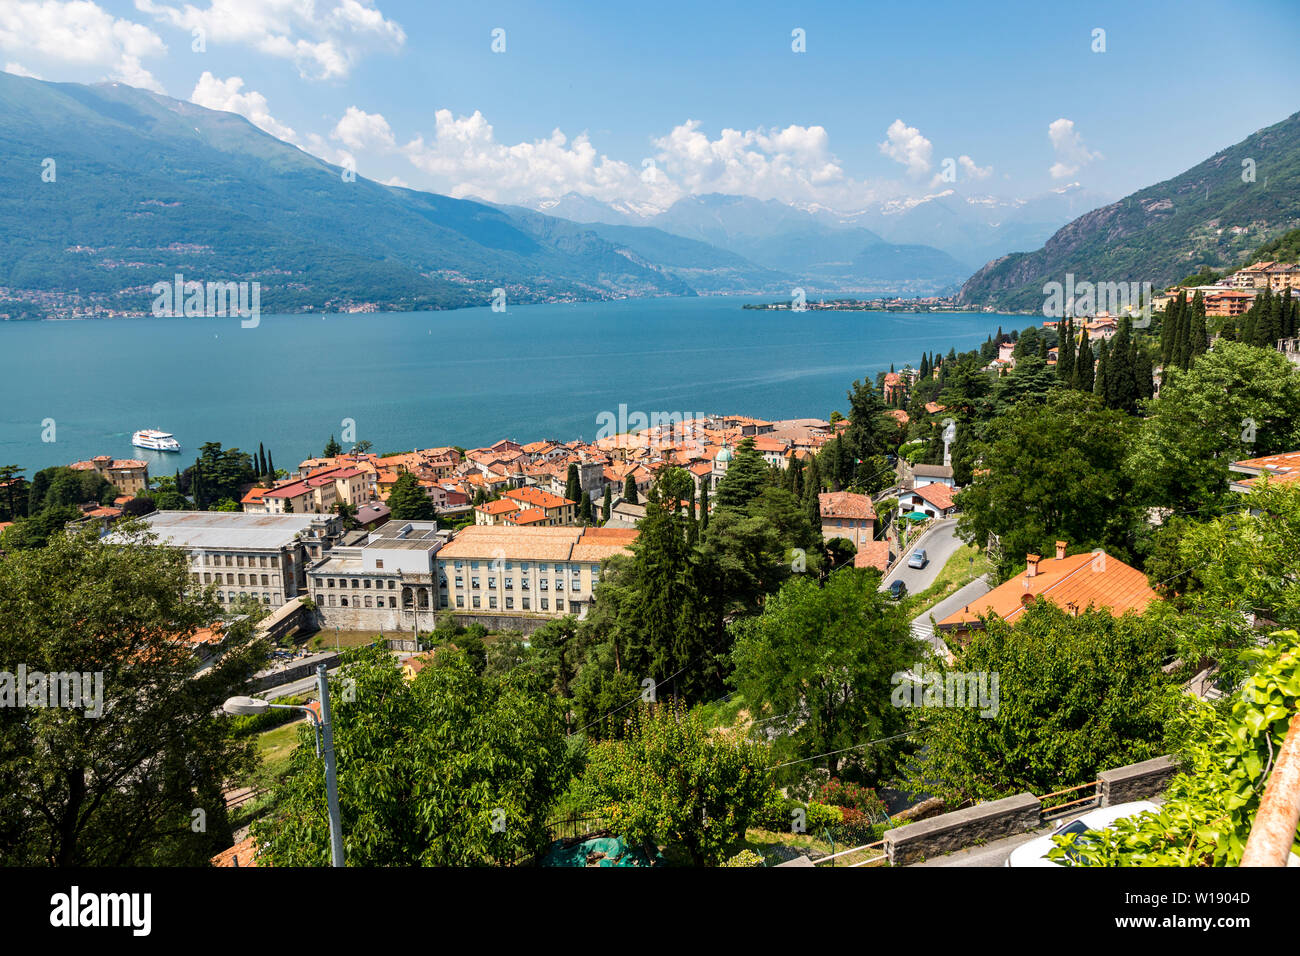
x=1060, y=550
x=1032, y=561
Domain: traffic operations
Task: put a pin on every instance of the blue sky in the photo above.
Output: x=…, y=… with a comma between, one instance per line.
x=413, y=93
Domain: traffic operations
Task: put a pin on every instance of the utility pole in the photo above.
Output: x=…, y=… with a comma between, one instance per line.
x=331, y=771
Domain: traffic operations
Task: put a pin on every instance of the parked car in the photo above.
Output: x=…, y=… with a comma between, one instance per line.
x=919, y=559
x=897, y=590
x=1034, y=853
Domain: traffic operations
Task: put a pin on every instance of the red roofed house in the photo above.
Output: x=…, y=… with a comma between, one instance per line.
x=1279, y=468
x=1073, y=583
x=935, y=500
x=847, y=515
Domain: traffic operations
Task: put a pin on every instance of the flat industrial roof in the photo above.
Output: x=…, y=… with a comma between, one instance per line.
x=227, y=530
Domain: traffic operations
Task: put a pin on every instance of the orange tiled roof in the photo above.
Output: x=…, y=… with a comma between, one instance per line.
x=1074, y=583
x=844, y=504
x=937, y=494
x=875, y=554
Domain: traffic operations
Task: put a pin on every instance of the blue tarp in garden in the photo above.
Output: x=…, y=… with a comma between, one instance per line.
x=598, y=851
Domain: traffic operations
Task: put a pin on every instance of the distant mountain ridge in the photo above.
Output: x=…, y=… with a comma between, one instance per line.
x=1211, y=216
x=143, y=186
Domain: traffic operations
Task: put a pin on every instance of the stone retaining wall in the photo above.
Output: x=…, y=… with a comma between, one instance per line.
x=962, y=828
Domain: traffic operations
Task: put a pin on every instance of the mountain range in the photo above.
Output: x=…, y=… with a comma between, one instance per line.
x=107, y=189
x=1210, y=217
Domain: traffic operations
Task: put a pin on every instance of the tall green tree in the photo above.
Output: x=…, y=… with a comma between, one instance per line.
x=1076, y=694
x=450, y=769
x=408, y=502
x=673, y=780
x=117, y=787
x=1053, y=471
x=817, y=667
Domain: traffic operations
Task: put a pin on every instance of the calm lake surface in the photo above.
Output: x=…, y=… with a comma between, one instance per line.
x=465, y=377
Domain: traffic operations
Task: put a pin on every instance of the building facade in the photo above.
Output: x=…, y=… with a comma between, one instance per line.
x=530, y=571
x=262, y=557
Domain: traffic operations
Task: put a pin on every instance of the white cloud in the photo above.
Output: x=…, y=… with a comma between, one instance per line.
x=217, y=94
x=82, y=34
x=905, y=144
x=973, y=171
x=323, y=39
x=464, y=159
x=1071, y=154
x=17, y=69
x=969, y=171
x=359, y=130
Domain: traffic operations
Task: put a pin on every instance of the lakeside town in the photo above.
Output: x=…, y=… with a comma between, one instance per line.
x=506, y=552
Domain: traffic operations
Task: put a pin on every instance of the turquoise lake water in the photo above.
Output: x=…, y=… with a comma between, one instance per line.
x=465, y=377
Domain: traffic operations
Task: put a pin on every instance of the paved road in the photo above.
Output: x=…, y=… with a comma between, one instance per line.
x=939, y=542
x=923, y=624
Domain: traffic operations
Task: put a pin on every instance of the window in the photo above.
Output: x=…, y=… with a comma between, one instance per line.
x=369, y=601
x=379, y=563
x=492, y=584
x=265, y=581
x=392, y=601
x=473, y=583
x=331, y=600
x=575, y=584
x=474, y=565
x=460, y=600
x=477, y=600
x=460, y=582
x=526, y=603
x=543, y=584
x=546, y=604
x=392, y=585
x=510, y=603
x=344, y=600
x=492, y=601
x=330, y=583
x=559, y=604
x=355, y=584
x=523, y=565
x=510, y=584
x=458, y=564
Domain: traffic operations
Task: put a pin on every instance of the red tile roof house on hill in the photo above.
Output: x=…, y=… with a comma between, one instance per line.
x=1074, y=583
x=1279, y=468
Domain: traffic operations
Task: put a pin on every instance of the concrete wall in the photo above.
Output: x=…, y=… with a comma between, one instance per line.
x=295, y=672
x=1137, y=781
x=1021, y=813
x=962, y=828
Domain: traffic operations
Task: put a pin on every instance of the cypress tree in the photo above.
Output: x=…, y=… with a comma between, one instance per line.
x=1083, y=366
x=270, y=466
x=1119, y=374
x=572, y=489
x=1065, y=353
x=584, y=509
x=607, y=507
x=1101, y=383
x=1198, y=341
x=629, y=489
x=704, y=506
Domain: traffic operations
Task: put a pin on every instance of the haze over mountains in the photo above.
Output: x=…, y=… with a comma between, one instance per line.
x=968, y=229
x=142, y=186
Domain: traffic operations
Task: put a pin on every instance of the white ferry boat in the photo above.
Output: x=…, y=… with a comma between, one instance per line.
x=155, y=440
